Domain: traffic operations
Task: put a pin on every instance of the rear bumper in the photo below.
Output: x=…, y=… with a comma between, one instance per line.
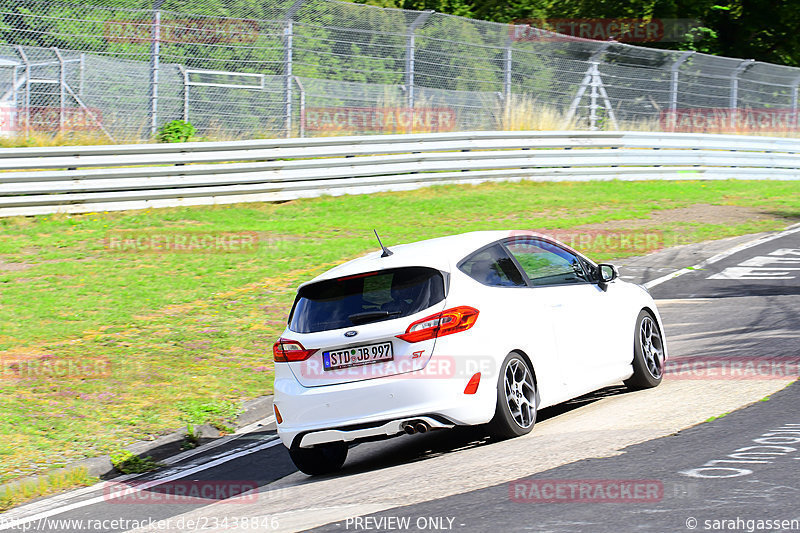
x=375, y=407
x=385, y=429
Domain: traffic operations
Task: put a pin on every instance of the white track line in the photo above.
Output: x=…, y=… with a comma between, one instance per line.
x=722, y=255
x=180, y=474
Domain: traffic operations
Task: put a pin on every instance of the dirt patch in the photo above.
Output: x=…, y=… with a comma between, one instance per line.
x=698, y=213
x=14, y=267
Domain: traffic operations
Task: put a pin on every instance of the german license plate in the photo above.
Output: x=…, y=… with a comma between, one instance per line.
x=357, y=356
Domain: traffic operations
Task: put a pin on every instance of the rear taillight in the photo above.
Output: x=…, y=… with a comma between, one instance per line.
x=445, y=323
x=287, y=351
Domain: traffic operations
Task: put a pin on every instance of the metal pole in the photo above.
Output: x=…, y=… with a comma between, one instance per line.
x=155, y=51
x=82, y=73
x=733, y=105
x=288, y=77
x=302, y=107
x=595, y=81
x=673, y=89
x=795, y=86
x=288, y=59
x=62, y=93
x=185, y=93
x=24, y=58
x=13, y=115
x=410, y=51
x=507, y=64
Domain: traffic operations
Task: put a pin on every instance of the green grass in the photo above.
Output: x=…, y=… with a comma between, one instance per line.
x=166, y=339
x=717, y=417
x=50, y=484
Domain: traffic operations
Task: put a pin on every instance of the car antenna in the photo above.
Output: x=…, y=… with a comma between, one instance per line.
x=386, y=252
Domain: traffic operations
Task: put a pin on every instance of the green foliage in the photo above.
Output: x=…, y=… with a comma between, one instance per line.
x=47, y=484
x=129, y=463
x=218, y=413
x=176, y=131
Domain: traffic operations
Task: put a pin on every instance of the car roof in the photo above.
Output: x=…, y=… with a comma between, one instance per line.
x=439, y=253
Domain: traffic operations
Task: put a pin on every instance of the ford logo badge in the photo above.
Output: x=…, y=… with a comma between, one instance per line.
x=351, y=333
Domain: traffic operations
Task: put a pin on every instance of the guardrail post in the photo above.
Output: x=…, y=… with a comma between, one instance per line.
x=155, y=52
x=410, y=49
x=733, y=105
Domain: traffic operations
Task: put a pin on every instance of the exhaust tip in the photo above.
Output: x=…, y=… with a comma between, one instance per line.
x=421, y=427
x=409, y=429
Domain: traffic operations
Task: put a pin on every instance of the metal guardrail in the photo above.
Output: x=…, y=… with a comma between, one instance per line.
x=76, y=179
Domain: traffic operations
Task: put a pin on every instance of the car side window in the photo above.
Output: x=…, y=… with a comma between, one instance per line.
x=545, y=263
x=492, y=266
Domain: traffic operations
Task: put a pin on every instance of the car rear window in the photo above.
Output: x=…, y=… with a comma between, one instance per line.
x=365, y=298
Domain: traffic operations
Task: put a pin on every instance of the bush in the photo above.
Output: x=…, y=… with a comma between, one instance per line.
x=176, y=131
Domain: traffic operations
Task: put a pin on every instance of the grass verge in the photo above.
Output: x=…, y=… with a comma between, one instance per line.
x=99, y=348
x=51, y=484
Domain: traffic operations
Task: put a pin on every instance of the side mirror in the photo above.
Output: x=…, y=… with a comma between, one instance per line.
x=606, y=273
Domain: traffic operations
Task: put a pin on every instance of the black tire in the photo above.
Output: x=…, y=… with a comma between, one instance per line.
x=515, y=412
x=321, y=459
x=648, y=353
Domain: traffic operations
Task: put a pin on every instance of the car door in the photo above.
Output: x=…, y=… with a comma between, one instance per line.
x=516, y=319
x=559, y=281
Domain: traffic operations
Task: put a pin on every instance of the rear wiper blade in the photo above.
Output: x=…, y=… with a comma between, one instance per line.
x=370, y=316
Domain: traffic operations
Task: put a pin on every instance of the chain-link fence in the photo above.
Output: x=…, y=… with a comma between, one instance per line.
x=241, y=69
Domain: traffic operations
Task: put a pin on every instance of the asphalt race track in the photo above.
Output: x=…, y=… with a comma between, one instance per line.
x=612, y=461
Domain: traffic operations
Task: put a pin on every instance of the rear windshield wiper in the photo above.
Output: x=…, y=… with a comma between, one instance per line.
x=370, y=316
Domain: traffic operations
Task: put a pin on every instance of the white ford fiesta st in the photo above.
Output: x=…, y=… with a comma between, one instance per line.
x=480, y=328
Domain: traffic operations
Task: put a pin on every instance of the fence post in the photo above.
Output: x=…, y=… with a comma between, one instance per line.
x=795, y=86
x=24, y=57
x=673, y=87
x=185, y=93
x=287, y=113
x=82, y=74
x=62, y=85
x=288, y=66
x=155, y=52
x=507, y=65
x=410, y=49
x=302, y=125
x=733, y=104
